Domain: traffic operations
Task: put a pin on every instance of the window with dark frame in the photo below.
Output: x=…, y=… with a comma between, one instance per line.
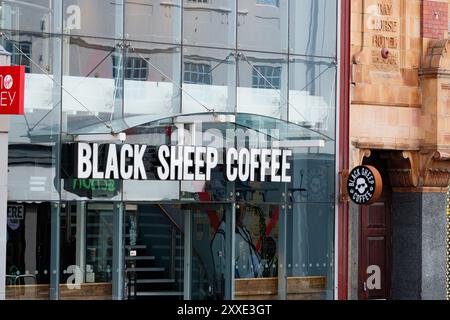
x=266, y=77
x=135, y=68
x=197, y=73
x=19, y=57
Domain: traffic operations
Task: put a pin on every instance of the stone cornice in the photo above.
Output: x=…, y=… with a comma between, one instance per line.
x=434, y=73
x=419, y=169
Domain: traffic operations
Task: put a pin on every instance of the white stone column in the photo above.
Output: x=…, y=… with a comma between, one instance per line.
x=4, y=128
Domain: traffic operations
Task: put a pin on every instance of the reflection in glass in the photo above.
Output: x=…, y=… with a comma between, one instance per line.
x=256, y=241
x=28, y=251
x=209, y=252
x=86, y=250
x=166, y=132
x=84, y=189
x=31, y=15
x=263, y=25
x=262, y=84
x=94, y=18
x=93, y=83
x=122, y=64
x=152, y=80
x=154, y=251
x=33, y=136
x=313, y=25
x=313, y=175
x=312, y=94
x=209, y=77
x=210, y=23
x=310, y=251
x=310, y=223
x=153, y=20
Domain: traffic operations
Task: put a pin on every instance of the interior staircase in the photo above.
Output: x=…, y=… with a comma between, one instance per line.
x=153, y=255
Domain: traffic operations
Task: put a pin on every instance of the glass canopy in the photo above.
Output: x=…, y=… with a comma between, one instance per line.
x=285, y=132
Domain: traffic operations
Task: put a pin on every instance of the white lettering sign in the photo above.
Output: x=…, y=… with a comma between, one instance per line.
x=184, y=163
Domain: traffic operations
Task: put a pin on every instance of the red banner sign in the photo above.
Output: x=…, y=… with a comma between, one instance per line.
x=12, y=90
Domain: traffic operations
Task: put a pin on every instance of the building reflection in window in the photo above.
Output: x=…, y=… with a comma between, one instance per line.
x=256, y=236
x=86, y=250
x=256, y=241
x=28, y=251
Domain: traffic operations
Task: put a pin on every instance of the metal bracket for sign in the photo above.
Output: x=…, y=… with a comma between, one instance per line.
x=343, y=192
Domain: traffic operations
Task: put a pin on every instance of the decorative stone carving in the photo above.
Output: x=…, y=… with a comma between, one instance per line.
x=359, y=154
x=426, y=164
x=435, y=75
x=437, y=59
x=402, y=169
x=429, y=166
x=418, y=169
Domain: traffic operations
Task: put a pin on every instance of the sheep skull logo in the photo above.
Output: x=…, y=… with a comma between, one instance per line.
x=361, y=185
x=364, y=185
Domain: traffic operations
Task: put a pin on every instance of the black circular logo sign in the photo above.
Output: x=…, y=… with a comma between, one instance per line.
x=364, y=185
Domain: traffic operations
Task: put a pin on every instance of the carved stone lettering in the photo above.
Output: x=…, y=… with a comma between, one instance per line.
x=383, y=24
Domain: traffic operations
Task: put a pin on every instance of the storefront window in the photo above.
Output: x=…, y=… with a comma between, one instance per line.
x=256, y=251
x=221, y=74
x=211, y=245
x=86, y=250
x=310, y=223
x=28, y=251
x=310, y=251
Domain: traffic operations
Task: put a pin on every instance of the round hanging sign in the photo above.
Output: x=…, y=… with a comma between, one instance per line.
x=364, y=185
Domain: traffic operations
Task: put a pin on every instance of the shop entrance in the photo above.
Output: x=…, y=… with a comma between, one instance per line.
x=176, y=251
x=145, y=251
x=153, y=252
x=375, y=241
x=375, y=250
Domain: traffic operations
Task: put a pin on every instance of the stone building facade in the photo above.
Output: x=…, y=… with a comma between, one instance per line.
x=400, y=123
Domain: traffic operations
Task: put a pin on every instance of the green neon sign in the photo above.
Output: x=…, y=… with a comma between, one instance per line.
x=94, y=184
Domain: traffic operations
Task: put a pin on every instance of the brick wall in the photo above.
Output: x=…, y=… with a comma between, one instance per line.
x=434, y=19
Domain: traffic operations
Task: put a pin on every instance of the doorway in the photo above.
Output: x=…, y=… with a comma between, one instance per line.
x=375, y=240
x=153, y=252
x=177, y=251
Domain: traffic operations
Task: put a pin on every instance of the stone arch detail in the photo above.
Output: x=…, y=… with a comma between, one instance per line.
x=437, y=57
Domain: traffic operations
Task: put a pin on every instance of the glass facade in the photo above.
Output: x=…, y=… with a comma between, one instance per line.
x=221, y=73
